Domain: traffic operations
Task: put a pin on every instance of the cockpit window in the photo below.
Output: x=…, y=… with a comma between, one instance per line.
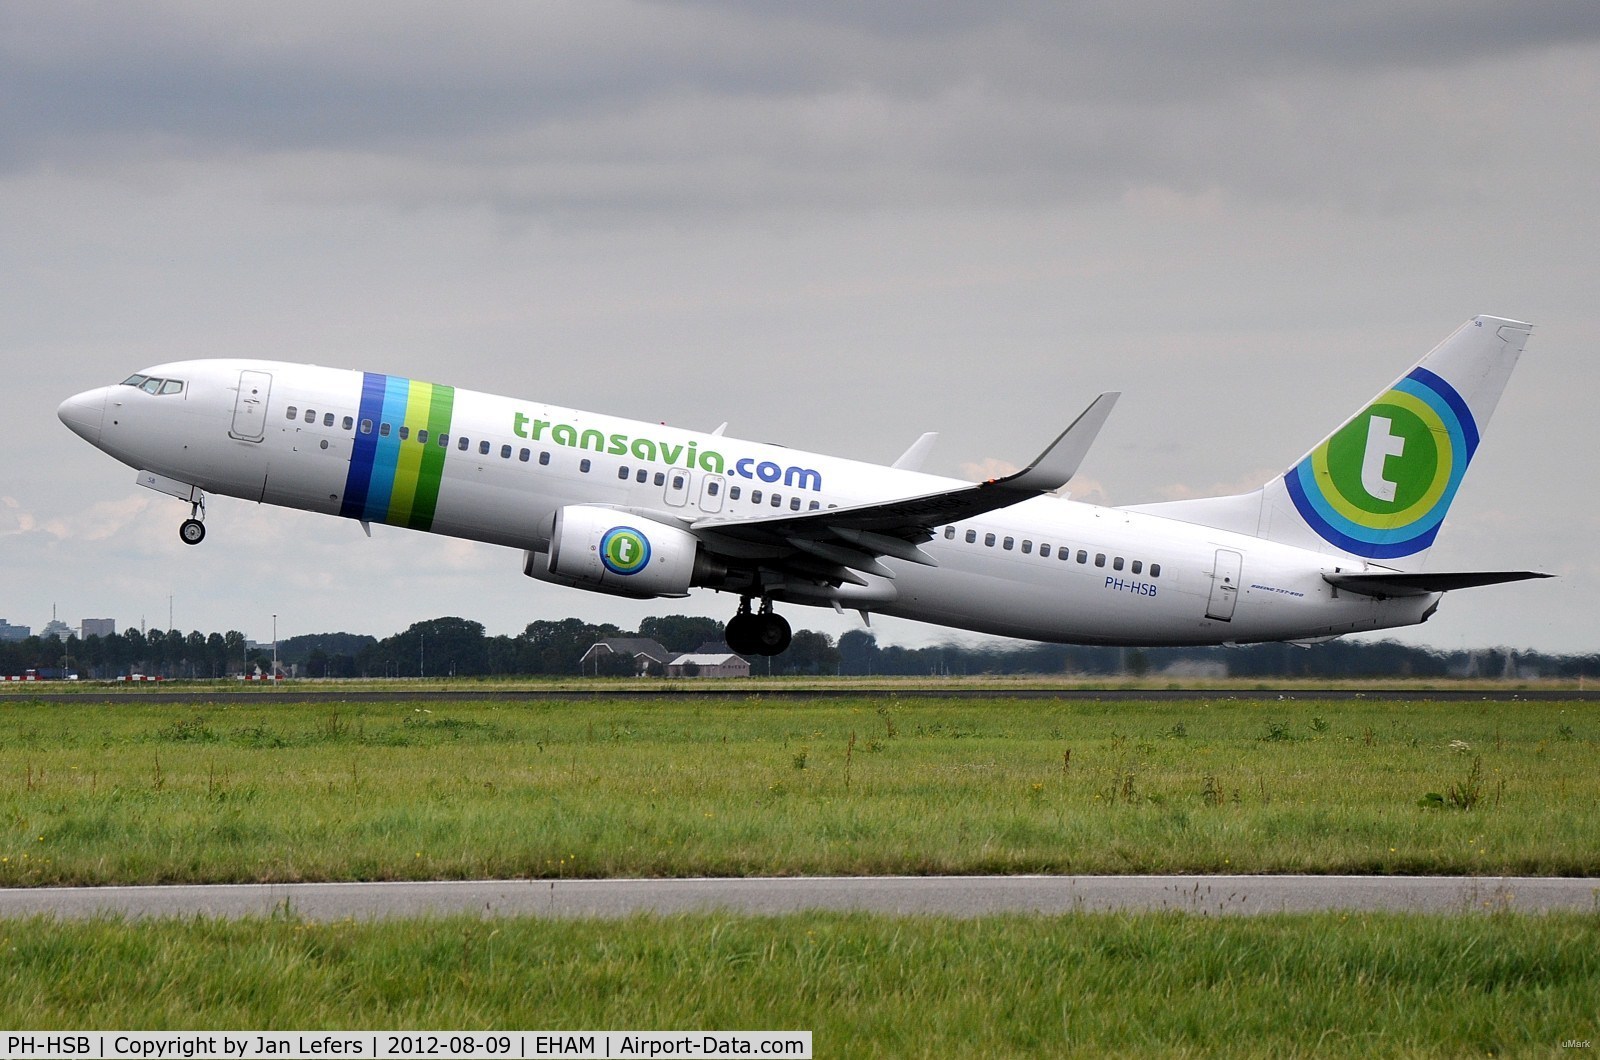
x=151, y=385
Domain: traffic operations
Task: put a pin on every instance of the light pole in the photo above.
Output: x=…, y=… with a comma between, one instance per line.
x=274, y=650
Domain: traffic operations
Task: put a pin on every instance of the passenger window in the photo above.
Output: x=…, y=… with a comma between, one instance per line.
x=405, y=432
x=733, y=493
x=777, y=501
x=622, y=472
x=327, y=419
x=544, y=458
x=349, y=422
x=483, y=448
x=172, y=386
x=988, y=539
x=1099, y=559
x=815, y=505
x=661, y=478
x=1155, y=570
x=584, y=465
x=1008, y=543
x=311, y=415
x=505, y=452
x=755, y=496
x=383, y=430
x=642, y=477
x=1138, y=565
x=291, y=413
x=463, y=444
x=1044, y=551
x=972, y=536
x=1083, y=557
x=949, y=533
x=1116, y=564
x=525, y=455
x=366, y=426
x=1065, y=554
x=713, y=488
x=677, y=482
x=444, y=441
x=794, y=504
x=422, y=436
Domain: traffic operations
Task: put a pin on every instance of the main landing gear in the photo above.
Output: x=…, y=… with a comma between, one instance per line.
x=764, y=633
x=193, y=530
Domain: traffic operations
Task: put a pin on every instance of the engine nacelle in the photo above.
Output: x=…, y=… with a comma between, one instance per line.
x=612, y=552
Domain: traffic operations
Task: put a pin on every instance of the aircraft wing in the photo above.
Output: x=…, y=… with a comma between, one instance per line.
x=857, y=535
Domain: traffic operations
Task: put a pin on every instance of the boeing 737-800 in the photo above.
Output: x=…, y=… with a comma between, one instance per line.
x=1334, y=545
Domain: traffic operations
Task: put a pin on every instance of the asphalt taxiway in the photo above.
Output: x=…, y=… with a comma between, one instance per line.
x=961, y=896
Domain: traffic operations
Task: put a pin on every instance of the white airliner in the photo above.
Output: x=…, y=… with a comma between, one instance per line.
x=1333, y=546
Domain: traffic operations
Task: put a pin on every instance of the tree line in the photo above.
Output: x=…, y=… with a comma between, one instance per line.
x=458, y=647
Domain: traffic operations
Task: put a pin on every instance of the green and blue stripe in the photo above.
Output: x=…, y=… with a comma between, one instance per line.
x=392, y=480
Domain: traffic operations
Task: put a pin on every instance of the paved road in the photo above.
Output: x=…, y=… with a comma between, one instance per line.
x=934, y=895
x=293, y=693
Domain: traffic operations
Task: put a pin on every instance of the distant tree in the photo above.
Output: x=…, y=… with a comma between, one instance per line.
x=681, y=633
x=1138, y=663
x=809, y=653
x=858, y=653
x=556, y=647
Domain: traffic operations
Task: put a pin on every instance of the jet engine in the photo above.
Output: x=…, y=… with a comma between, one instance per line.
x=608, y=551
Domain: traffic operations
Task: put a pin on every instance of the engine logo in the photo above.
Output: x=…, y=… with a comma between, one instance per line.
x=624, y=550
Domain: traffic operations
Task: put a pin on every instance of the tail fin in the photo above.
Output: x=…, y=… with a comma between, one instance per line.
x=1379, y=486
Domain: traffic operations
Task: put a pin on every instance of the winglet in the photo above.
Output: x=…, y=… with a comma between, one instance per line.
x=1057, y=464
x=913, y=457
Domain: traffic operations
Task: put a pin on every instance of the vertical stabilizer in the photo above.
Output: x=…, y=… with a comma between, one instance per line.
x=1379, y=487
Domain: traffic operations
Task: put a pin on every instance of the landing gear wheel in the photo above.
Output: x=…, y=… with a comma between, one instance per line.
x=193, y=531
x=757, y=634
x=742, y=633
x=772, y=634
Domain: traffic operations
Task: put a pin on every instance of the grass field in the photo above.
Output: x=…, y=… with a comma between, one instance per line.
x=888, y=784
x=141, y=793
x=1167, y=985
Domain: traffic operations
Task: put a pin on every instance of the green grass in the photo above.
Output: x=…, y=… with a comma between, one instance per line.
x=1168, y=985
x=91, y=793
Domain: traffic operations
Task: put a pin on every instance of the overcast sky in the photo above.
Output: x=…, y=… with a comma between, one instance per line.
x=834, y=225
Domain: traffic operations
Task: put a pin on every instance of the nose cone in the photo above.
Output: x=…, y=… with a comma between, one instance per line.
x=84, y=413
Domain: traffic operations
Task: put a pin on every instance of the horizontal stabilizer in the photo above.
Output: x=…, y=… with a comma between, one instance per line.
x=1394, y=583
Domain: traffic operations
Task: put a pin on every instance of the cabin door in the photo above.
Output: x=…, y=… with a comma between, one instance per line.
x=1224, y=585
x=250, y=407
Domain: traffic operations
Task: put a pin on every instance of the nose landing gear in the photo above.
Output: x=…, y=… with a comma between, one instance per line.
x=763, y=633
x=193, y=530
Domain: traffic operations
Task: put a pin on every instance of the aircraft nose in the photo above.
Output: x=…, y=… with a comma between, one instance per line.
x=84, y=413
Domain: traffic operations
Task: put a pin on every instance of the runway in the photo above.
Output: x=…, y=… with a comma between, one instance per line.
x=960, y=896
x=710, y=691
